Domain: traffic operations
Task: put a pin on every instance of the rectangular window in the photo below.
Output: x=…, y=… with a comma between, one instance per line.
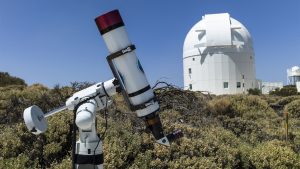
x=191, y=87
x=243, y=84
x=225, y=85
x=190, y=70
x=193, y=59
x=238, y=84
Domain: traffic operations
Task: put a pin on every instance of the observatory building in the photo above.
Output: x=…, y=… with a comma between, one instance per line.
x=293, y=75
x=218, y=56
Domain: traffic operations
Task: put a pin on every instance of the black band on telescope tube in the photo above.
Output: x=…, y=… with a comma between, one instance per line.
x=139, y=91
x=121, y=52
x=89, y=159
x=143, y=105
x=110, y=28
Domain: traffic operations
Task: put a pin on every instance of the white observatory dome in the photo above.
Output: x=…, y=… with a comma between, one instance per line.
x=293, y=75
x=295, y=69
x=218, y=56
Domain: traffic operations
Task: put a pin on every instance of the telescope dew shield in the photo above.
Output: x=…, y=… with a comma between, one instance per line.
x=125, y=65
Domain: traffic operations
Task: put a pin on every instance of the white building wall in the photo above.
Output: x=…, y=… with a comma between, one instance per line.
x=267, y=87
x=258, y=84
x=211, y=66
x=298, y=86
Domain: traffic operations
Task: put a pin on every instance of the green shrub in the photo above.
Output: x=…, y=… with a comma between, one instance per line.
x=286, y=100
x=251, y=107
x=221, y=106
x=120, y=144
x=236, y=131
x=193, y=162
x=245, y=106
x=247, y=130
x=254, y=91
x=274, y=154
x=19, y=162
x=285, y=91
x=296, y=140
x=16, y=140
x=14, y=101
x=6, y=80
x=293, y=108
x=10, y=143
x=213, y=143
x=270, y=99
x=65, y=163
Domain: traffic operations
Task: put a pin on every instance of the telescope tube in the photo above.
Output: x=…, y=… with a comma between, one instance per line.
x=127, y=68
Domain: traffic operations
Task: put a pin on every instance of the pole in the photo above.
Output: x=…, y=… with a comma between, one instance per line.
x=286, y=125
x=56, y=111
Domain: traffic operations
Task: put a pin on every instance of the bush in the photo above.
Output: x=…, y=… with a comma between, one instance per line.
x=221, y=106
x=251, y=107
x=285, y=91
x=14, y=101
x=19, y=162
x=293, y=109
x=246, y=129
x=6, y=80
x=236, y=131
x=286, y=100
x=246, y=106
x=65, y=163
x=274, y=154
x=254, y=91
x=270, y=99
x=120, y=144
x=57, y=141
x=14, y=141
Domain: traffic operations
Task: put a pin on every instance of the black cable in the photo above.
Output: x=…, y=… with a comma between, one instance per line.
x=161, y=82
x=105, y=116
x=103, y=134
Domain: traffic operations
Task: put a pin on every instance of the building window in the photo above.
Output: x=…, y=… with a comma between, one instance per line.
x=190, y=70
x=238, y=84
x=191, y=86
x=225, y=85
x=193, y=59
x=243, y=84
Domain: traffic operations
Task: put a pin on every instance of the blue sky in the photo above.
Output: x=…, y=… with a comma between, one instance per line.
x=57, y=42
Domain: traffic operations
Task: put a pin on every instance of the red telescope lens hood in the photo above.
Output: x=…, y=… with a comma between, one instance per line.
x=109, y=21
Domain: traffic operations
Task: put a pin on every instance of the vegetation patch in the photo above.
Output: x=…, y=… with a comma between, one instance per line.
x=230, y=131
